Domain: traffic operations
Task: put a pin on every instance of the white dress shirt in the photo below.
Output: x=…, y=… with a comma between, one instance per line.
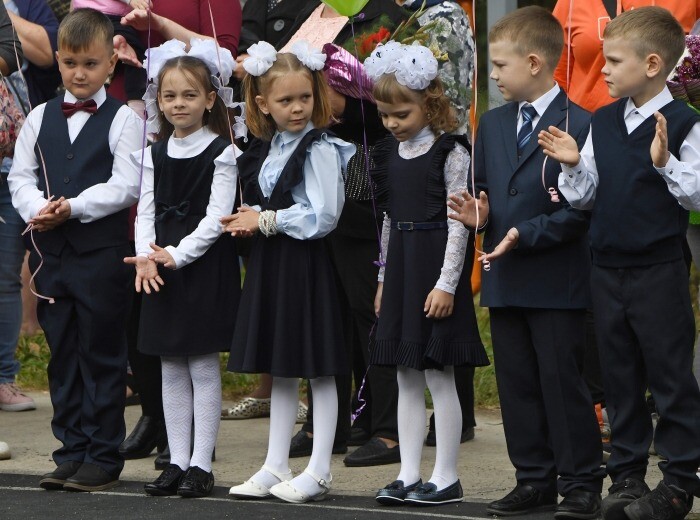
x=682, y=175
x=221, y=199
x=541, y=104
x=96, y=202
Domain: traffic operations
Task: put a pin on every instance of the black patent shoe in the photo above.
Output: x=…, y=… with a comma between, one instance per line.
x=395, y=493
x=428, y=495
x=579, y=504
x=167, y=483
x=54, y=481
x=196, y=483
x=163, y=459
x=666, y=502
x=147, y=435
x=91, y=477
x=621, y=494
x=522, y=500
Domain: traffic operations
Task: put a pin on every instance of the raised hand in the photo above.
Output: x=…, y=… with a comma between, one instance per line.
x=659, y=146
x=559, y=145
x=509, y=242
x=464, y=207
x=147, y=276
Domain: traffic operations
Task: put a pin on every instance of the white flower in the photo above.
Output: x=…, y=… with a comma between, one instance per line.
x=157, y=56
x=260, y=58
x=312, y=58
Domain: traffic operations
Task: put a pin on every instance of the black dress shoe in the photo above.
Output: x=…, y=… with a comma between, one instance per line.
x=579, y=503
x=91, y=477
x=373, y=453
x=55, y=480
x=395, y=493
x=196, y=483
x=522, y=500
x=467, y=435
x=621, y=494
x=665, y=502
x=302, y=445
x=428, y=495
x=167, y=483
x=163, y=459
x=358, y=436
x=147, y=435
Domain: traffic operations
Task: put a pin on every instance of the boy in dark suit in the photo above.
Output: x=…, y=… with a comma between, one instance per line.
x=639, y=172
x=72, y=182
x=537, y=286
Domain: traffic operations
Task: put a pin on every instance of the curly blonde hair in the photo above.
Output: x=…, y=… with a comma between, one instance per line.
x=441, y=116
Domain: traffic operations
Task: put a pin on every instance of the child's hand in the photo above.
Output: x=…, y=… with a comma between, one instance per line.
x=378, y=298
x=242, y=224
x=161, y=256
x=125, y=52
x=139, y=19
x=239, y=73
x=464, y=207
x=559, y=145
x=52, y=215
x=439, y=304
x=659, y=146
x=140, y=4
x=147, y=276
x=508, y=243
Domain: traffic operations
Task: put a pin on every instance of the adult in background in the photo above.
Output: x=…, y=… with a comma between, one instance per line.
x=181, y=19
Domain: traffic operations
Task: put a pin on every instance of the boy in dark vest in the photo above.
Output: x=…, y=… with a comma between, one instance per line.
x=639, y=173
x=537, y=286
x=71, y=181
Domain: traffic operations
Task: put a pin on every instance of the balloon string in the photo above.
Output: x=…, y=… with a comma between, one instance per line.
x=380, y=262
x=360, y=392
x=485, y=263
x=144, y=135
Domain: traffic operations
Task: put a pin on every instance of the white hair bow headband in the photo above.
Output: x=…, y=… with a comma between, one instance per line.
x=414, y=66
x=262, y=55
x=218, y=60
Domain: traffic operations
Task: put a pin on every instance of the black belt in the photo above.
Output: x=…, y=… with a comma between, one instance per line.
x=418, y=226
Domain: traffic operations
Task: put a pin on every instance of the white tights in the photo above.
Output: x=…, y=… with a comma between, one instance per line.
x=411, y=421
x=283, y=413
x=192, y=388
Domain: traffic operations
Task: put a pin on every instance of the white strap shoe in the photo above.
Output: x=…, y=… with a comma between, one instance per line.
x=287, y=492
x=253, y=490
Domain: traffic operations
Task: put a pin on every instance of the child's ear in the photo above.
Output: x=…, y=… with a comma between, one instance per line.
x=655, y=65
x=211, y=99
x=535, y=62
x=262, y=105
x=113, y=62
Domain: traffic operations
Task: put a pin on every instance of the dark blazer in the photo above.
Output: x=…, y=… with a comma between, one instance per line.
x=550, y=266
x=271, y=27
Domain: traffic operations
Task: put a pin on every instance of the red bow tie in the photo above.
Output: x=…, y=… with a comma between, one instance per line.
x=88, y=106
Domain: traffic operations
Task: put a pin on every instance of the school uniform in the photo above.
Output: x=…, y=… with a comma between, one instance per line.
x=189, y=184
x=289, y=322
x=86, y=160
x=643, y=316
x=537, y=294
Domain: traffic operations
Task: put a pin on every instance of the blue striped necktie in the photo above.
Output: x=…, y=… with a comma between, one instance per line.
x=528, y=112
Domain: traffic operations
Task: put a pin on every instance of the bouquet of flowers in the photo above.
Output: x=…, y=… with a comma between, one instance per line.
x=684, y=81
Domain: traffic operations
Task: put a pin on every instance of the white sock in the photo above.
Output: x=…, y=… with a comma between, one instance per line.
x=177, y=408
x=448, y=425
x=206, y=383
x=411, y=422
x=325, y=420
x=283, y=416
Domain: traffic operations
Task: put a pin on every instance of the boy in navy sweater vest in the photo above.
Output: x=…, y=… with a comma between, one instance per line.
x=639, y=173
x=537, y=287
x=71, y=181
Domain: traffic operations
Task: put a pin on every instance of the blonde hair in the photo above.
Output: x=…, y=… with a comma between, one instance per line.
x=83, y=27
x=531, y=29
x=262, y=125
x=650, y=30
x=441, y=116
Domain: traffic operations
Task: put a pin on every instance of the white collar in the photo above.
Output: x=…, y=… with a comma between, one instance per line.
x=424, y=136
x=287, y=137
x=647, y=110
x=100, y=97
x=541, y=104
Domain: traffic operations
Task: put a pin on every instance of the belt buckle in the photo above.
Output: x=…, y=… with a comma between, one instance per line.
x=405, y=226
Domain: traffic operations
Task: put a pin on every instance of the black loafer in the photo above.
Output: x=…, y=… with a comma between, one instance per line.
x=428, y=495
x=373, y=453
x=147, y=435
x=302, y=445
x=580, y=504
x=196, y=483
x=522, y=500
x=467, y=435
x=54, y=481
x=395, y=493
x=621, y=494
x=91, y=477
x=167, y=483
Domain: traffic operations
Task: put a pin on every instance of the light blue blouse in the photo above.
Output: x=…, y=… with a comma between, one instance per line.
x=319, y=198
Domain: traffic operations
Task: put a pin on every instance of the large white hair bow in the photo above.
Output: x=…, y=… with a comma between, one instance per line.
x=414, y=66
x=260, y=58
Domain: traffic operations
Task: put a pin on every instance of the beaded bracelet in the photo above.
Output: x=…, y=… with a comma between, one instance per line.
x=267, y=222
